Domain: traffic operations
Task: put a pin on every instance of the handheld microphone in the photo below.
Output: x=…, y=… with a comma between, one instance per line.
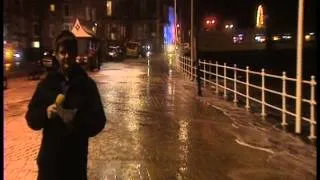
x=60, y=99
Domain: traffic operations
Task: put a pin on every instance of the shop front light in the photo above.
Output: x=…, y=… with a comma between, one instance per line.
x=17, y=55
x=170, y=48
x=8, y=53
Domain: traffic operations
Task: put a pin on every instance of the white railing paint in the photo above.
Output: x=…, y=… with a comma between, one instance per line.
x=186, y=66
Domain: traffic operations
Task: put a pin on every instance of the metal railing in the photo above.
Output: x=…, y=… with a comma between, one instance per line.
x=211, y=74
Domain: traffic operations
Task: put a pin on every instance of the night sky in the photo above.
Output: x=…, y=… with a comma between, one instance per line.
x=282, y=14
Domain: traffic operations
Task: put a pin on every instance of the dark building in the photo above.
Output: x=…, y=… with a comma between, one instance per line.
x=35, y=23
x=134, y=20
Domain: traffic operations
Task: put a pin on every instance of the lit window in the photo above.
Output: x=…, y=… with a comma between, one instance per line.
x=109, y=8
x=66, y=26
x=36, y=44
x=52, y=7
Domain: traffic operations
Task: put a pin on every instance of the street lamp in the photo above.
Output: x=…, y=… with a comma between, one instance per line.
x=299, y=66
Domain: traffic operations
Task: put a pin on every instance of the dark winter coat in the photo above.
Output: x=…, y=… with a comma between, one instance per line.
x=63, y=151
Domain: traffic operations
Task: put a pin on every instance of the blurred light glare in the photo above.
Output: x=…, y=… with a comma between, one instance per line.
x=208, y=22
x=170, y=48
x=227, y=26
x=17, y=55
x=307, y=37
x=213, y=21
x=7, y=65
x=231, y=26
x=276, y=38
x=286, y=36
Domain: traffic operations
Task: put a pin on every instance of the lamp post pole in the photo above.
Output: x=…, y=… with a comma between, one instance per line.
x=192, y=32
x=299, y=66
x=175, y=26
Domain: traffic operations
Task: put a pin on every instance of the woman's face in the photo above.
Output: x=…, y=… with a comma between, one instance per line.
x=65, y=58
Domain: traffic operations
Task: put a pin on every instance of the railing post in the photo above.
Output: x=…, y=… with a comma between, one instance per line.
x=225, y=80
x=204, y=73
x=247, y=88
x=190, y=69
x=187, y=62
x=184, y=65
x=263, y=98
x=235, y=100
x=284, y=105
x=217, y=80
x=177, y=63
x=312, y=108
x=177, y=57
x=210, y=75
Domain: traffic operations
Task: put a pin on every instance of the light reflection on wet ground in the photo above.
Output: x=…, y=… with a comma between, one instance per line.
x=158, y=129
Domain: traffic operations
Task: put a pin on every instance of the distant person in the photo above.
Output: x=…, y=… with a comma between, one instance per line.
x=67, y=106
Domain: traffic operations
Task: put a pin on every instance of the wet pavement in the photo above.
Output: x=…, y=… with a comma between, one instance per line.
x=158, y=128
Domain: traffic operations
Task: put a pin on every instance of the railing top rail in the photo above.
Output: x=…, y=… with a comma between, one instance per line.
x=215, y=63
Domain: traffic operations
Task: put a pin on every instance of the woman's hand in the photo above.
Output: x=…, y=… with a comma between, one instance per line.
x=51, y=110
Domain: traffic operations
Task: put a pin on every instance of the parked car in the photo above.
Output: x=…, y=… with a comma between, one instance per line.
x=35, y=71
x=114, y=53
x=47, y=59
x=133, y=49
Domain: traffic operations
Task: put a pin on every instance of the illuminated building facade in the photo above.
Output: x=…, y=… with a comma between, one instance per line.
x=260, y=18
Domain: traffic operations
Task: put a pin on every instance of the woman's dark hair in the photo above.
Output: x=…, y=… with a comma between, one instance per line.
x=68, y=40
